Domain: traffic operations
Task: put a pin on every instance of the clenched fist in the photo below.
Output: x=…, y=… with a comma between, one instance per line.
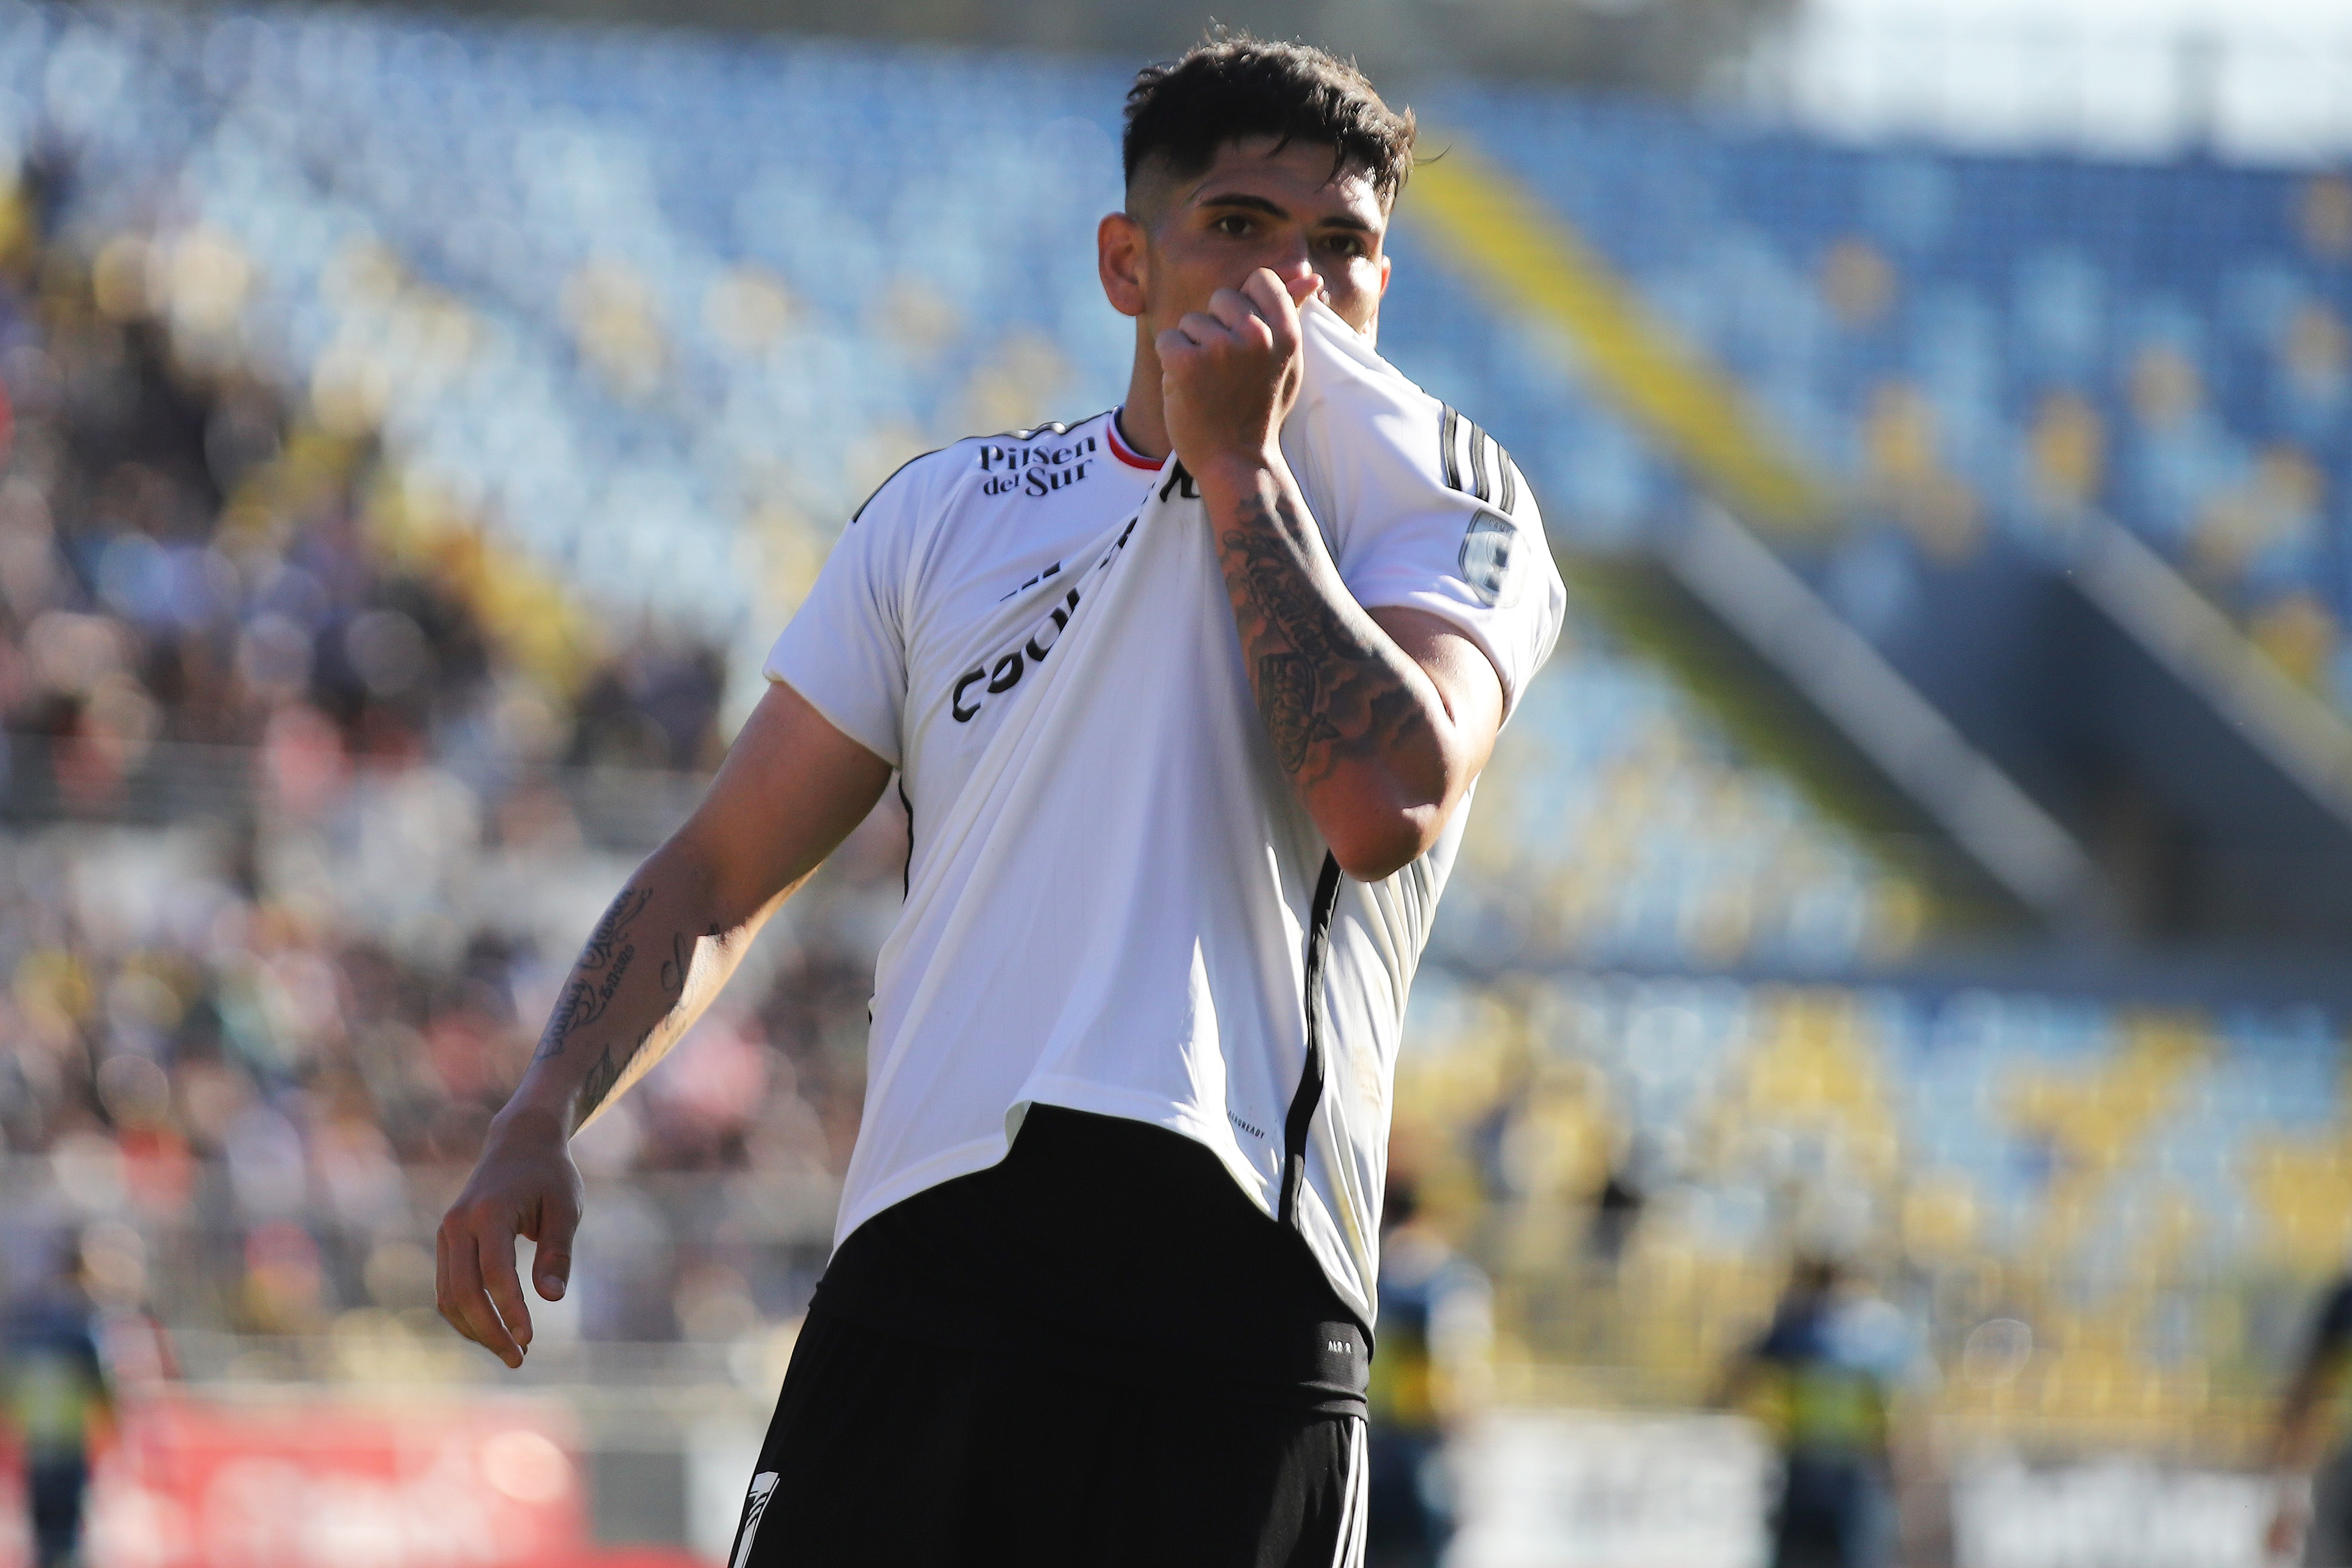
x=1229, y=374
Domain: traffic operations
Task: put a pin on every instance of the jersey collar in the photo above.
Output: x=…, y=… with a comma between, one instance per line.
x=1122, y=450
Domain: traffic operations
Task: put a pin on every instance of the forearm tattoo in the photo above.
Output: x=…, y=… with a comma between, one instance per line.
x=1329, y=685
x=597, y=1085
x=604, y=963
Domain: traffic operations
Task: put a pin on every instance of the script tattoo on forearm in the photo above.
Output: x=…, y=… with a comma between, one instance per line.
x=614, y=1063
x=596, y=978
x=1325, y=685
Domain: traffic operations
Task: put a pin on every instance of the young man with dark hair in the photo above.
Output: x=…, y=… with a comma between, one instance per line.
x=1184, y=728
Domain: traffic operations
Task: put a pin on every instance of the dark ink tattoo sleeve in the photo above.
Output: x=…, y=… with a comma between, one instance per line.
x=1329, y=685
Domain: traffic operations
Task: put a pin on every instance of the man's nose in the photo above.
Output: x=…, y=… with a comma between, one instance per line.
x=1294, y=266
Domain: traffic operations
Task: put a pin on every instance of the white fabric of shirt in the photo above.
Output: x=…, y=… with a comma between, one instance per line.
x=1110, y=889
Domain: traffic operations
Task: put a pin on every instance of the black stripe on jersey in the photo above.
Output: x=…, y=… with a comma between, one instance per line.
x=907, y=872
x=1451, y=428
x=1300, y=1121
x=902, y=467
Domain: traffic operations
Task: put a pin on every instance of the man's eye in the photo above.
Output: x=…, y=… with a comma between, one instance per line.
x=1233, y=225
x=1346, y=245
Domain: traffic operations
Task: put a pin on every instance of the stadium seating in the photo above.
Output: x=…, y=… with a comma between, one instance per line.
x=1974, y=344
x=669, y=385
x=611, y=329
x=2139, y=1188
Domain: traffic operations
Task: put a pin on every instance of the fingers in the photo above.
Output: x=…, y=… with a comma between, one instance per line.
x=1233, y=322
x=459, y=1247
x=1241, y=316
x=497, y=1244
x=550, y=1266
x=1277, y=303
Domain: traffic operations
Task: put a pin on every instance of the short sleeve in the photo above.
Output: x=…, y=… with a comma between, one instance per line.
x=1423, y=510
x=846, y=649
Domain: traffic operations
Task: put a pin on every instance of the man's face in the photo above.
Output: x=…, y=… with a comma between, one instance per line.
x=1255, y=206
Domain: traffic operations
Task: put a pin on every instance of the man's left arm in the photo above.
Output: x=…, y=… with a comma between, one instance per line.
x=1382, y=718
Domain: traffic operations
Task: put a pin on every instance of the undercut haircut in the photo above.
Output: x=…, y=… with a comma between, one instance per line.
x=1232, y=85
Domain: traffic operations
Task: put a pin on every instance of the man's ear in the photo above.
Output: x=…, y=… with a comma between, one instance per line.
x=1120, y=256
x=1386, y=262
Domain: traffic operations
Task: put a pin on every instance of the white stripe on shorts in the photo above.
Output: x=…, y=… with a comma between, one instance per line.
x=1358, y=1501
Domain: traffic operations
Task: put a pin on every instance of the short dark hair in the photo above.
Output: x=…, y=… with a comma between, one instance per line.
x=1231, y=85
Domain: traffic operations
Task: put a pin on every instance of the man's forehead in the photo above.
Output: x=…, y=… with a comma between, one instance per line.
x=1296, y=168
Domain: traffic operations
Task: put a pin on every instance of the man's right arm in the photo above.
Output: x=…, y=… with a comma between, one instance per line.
x=791, y=788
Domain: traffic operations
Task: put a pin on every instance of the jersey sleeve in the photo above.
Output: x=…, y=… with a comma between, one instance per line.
x=1422, y=510
x=845, y=649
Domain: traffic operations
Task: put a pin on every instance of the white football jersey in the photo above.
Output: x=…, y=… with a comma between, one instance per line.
x=1115, y=901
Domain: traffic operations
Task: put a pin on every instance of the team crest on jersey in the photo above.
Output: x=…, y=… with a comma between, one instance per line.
x=1002, y=674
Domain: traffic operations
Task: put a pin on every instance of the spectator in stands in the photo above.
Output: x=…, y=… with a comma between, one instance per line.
x=1617, y=1206
x=1826, y=1375
x=1436, y=1326
x=2313, y=1516
x=54, y=1400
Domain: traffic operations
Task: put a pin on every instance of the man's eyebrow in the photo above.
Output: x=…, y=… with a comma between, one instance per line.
x=1274, y=209
x=1241, y=199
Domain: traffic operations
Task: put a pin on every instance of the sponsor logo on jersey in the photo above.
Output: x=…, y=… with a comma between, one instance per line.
x=1027, y=467
x=1049, y=572
x=1003, y=672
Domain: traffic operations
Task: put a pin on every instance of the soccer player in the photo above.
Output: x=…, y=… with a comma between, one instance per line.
x=1831, y=1371
x=55, y=1400
x=1184, y=701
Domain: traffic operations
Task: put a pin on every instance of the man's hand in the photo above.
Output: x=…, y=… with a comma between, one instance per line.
x=791, y=788
x=1230, y=374
x=524, y=1185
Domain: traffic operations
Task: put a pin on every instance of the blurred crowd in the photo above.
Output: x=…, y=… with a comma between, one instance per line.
x=225, y=1087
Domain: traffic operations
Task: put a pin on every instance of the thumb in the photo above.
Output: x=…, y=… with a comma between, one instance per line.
x=1302, y=289
x=551, y=1267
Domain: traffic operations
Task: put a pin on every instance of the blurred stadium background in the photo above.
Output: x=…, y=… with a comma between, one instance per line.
x=1932, y=843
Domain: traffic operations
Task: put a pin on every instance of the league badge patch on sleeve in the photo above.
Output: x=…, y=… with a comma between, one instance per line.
x=1487, y=549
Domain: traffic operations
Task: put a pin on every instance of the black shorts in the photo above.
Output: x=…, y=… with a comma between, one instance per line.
x=889, y=1452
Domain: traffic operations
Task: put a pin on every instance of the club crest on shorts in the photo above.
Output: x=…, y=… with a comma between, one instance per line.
x=755, y=1507
x=1487, y=549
